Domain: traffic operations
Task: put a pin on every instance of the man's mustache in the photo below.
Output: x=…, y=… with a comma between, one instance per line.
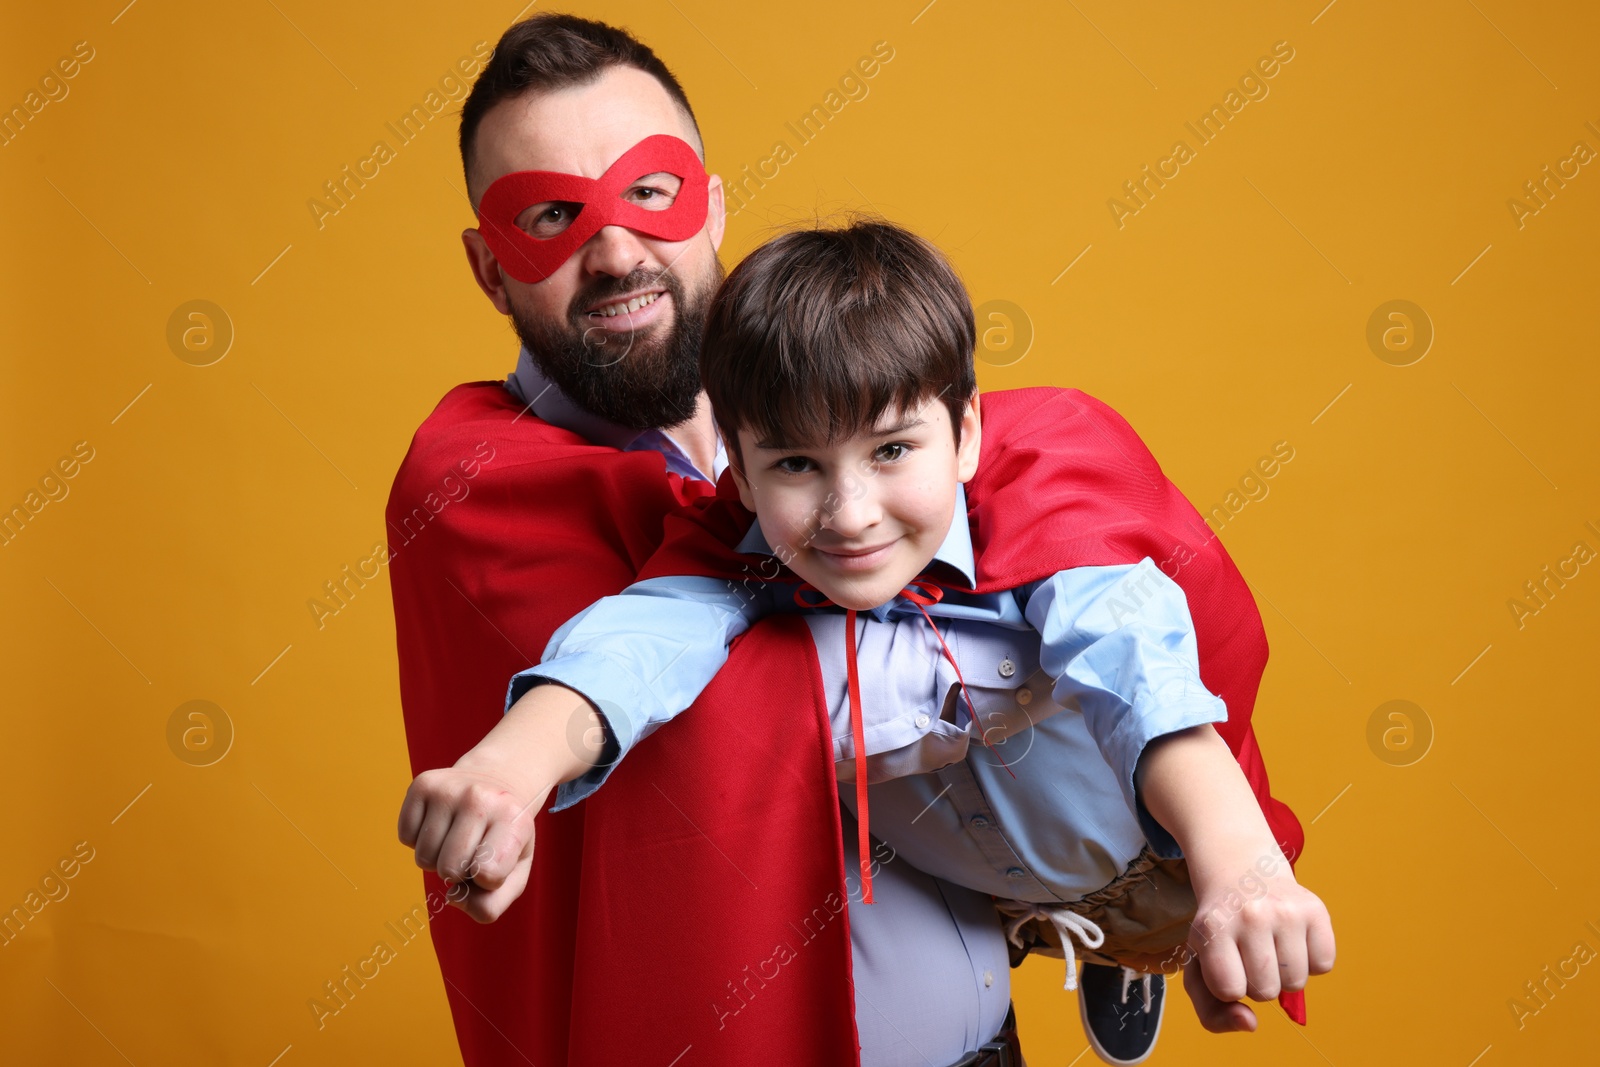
x=605, y=292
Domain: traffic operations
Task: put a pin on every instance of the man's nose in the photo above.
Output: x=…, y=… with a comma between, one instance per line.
x=615, y=250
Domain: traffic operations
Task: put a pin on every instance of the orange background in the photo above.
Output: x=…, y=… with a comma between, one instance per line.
x=1229, y=313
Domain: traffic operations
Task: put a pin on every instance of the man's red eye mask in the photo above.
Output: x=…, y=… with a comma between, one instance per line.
x=529, y=259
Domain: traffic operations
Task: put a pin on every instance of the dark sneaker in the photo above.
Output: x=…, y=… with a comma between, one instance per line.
x=1121, y=1011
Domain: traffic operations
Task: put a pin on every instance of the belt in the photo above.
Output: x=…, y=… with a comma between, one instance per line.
x=1004, y=1051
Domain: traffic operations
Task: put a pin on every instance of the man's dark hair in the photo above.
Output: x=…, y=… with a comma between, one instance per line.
x=818, y=332
x=550, y=51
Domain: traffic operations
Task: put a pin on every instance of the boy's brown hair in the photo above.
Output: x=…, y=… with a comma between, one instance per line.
x=819, y=332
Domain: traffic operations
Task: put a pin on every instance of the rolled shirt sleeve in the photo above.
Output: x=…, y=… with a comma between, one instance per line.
x=1120, y=643
x=641, y=657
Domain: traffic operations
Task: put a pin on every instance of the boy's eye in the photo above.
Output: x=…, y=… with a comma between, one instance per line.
x=793, y=465
x=893, y=451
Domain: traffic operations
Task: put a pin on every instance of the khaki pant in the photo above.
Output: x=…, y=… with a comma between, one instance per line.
x=1145, y=914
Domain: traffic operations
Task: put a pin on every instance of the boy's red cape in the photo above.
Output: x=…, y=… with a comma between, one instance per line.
x=692, y=910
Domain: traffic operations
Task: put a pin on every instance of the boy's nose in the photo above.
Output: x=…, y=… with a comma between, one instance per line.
x=856, y=510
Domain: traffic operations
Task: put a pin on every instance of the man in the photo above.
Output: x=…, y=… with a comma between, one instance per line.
x=561, y=479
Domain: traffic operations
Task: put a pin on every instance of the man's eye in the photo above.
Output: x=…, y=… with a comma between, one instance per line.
x=552, y=219
x=652, y=197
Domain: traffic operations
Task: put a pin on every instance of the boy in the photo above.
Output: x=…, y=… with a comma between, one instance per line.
x=839, y=364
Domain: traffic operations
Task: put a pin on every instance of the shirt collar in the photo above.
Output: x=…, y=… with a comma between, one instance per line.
x=545, y=400
x=955, y=551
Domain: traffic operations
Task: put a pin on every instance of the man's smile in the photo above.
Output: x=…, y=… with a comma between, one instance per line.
x=630, y=312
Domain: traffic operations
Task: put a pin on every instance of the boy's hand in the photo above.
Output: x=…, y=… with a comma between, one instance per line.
x=473, y=827
x=473, y=823
x=1257, y=932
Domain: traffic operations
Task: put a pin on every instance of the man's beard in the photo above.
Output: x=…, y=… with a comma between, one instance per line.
x=644, y=380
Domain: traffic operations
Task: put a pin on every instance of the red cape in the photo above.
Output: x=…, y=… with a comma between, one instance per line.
x=1071, y=485
x=1063, y=481
x=661, y=909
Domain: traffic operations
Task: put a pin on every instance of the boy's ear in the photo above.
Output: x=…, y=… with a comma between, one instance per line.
x=971, y=443
x=747, y=496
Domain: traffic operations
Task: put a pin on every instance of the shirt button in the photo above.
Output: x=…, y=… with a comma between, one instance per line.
x=979, y=822
x=922, y=722
x=1016, y=872
x=1007, y=668
x=988, y=979
x=1024, y=697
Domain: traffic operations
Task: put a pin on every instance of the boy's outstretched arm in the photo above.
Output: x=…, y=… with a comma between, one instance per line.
x=1257, y=931
x=473, y=823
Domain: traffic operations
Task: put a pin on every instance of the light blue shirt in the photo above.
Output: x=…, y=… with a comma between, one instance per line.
x=929, y=963
x=1113, y=646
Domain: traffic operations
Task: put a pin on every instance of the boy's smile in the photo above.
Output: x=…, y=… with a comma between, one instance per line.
x=860, y=517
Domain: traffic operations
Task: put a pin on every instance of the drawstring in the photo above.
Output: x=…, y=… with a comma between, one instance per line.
x=920, y=593
x=858, y=734
x=1068, y=924
x=1129, y=976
